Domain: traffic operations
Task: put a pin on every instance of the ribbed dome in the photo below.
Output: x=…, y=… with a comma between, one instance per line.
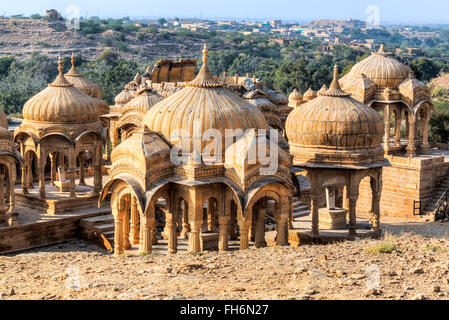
x=381, y=68
x=309, y=95
x=295, y=96
x=335, y=128
x=61, y=102
x=123, y=98
x=144, y=100
x=82, y=83
x=203, y=104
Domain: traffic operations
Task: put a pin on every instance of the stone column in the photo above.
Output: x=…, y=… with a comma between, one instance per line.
x=82, y=174
x=154, y=240
x=398, y=122
x=281, y=237
x=124, y=208
x=115, y=143
x=387, y=120
x=425, y=134
x=146, y=245
x=98, y=176
x=315, y=204
x=24, y=179
x=41, y=182
x=375, y=205
x=12, y=197
x=52, y=168
x=211, y=212
x=352, y=216
x=170, y=222
x=244, y=226
x=260, y=226
x=134, y=235
x=118, y=245
x=29, y=170
x=72, y=186
x=185, y=222
x=2, y=198
x=223, y=222
x=195, y=236
x=411, y=149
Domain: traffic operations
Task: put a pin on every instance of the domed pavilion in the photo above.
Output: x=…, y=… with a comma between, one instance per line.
x=62, y=127
x=387, y=85
x=198, y=147
x=9, y=157
x=337, y=140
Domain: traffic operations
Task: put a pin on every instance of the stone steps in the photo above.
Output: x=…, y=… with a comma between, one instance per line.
x=100, y=230
x=299, y=208
x=438, y=192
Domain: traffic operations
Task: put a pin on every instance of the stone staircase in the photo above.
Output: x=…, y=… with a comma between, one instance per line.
x=299, y=210
x=99, y=230
x=431, y=208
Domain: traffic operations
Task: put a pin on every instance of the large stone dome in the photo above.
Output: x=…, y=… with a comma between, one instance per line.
x=335, y=129
x=203, y=104
x=61, y=102
x=381, y=68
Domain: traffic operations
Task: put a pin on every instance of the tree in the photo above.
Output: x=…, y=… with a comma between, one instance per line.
x=162, y=21
x=425, y=69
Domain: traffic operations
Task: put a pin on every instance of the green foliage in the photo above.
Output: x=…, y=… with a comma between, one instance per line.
x=141, y=36
x=439, y=122
x=122, y=46
x=36, y=16
x=153, y=29
x=424, y=68
x=108, y=42
x=162, y=21
x=165, y=35
x=384, y=247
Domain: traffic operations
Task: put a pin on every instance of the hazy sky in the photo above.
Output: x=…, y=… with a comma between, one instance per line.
x=390, y=11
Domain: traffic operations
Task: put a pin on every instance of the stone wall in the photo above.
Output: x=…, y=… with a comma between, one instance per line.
x=406, y=180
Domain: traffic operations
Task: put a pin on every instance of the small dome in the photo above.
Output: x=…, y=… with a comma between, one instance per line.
x=5, y=134
x=61, y=102
x=309, y=95
x=381, y=68
x=335, y=129
x=295, y=96
x=203, y=104
x=322, y=90
x=144, y=100
x=82, y=83
x=123, y=97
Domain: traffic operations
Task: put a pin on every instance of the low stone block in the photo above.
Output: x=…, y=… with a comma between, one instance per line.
x=334, y=219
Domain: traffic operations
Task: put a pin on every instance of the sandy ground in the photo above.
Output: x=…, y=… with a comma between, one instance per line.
x=417, y=269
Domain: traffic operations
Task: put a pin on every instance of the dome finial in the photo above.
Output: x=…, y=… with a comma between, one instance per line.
x=73, y=60
x=60, y=67
x=205, y=54
x=335, y=84
x=382, y=48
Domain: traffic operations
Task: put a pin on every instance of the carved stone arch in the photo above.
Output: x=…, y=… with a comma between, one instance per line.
x=119, y=183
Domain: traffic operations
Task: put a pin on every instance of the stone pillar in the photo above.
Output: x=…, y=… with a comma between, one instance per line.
x=352, y=217
x=41, y=182
x=330, y=197
x=223, y=222
x=375, y=208
x=12, y=197
x=72, y=186
x=118, y=246
x=411, y=149
x=425, y=134
x=52, y=168
x=195, y=240
x=398, y=122
x=260, y=226
x=211, y=212
x=244, y=233
x=281, y=237
x=124, y=208
x=170, y=222
x=315, y=204
x=115, y=142
x=134, y=234
x=146, y=229
x=98, y=176
x=387, y=120
x=82, y=174
x=24, y=179
x=29, y=170
x=154, y=240
x=185, y=222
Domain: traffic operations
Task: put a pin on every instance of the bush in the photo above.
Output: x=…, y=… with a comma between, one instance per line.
x=153, y=29
x=385, y=247
x=140, y=36
x=107, y=42
x=132, y=28
x=122, y=46
x=165, y=35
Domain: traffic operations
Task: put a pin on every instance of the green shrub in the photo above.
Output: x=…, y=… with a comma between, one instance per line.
x=140, y=36
x=384, y=247
x=107, y=42
x=122, y=46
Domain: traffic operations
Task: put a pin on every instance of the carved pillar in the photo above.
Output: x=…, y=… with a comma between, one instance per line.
x=154, y=240
x=82, y=173
x=118, y=246
x=315, y=204
x=259, y=238
x=52, y=168
x=29, y=170
x=134, y=234
x=244, y=233
x=233, y=214
x=170, y=222
x=115, y=143
x=2, y=197
x=124, y=208
x=195, y=240
x=411, y=149
x=281, y=237
x=185, y=222
x=353, y=196
x=398, y=122
x=41, y=182
x=12, y=196
x=223, y=222
x=425, y=134
x=98, y=176
x=146, y=224
x=211, y=215
x=24, y=179
x=72, y=186
x=375, y=204
x=387, y=120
